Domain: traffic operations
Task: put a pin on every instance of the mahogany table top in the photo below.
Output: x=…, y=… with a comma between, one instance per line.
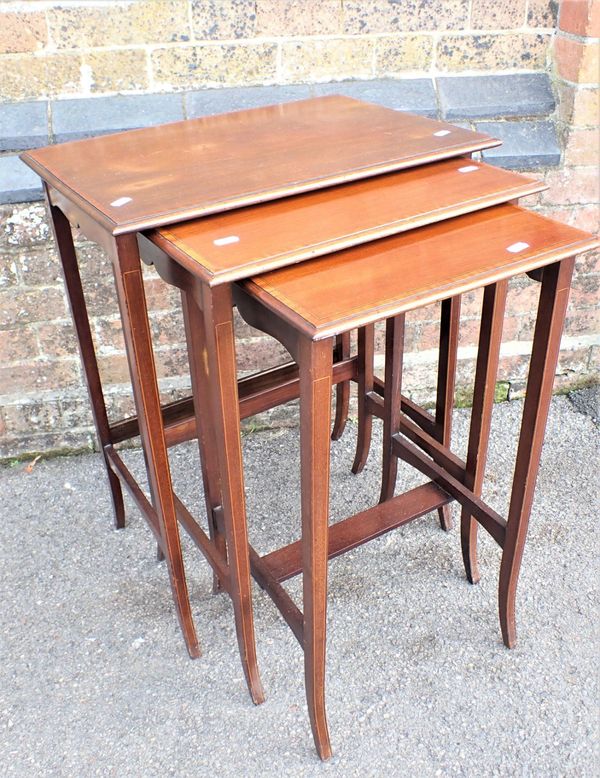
x=342, y=291
x=161, y=175
x=247, y=241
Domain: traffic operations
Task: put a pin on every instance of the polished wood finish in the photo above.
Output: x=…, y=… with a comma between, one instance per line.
x=314, y=361
x=294, y=305
x=343, y=536
x=136, y=330
x=554, y=296
x=115, y=186
x=87, y=351
x=366, y=384
x=486, y=370
x=186, y=169
x=352, y=288
x=394, y=351
x=446, y=379
x=342, y=390
x=248, y=241
x=209, y=332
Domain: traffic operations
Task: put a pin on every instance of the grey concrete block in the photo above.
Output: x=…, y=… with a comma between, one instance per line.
x=23, y=125
x=472, y=97
x=416, y=95
x=87, y=117
x=208, y=102
x=18, y=183
x=524, y=144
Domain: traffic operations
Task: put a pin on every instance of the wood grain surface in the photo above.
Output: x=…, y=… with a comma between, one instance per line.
x=240, y=243
x=161, y=175
x=366, y=283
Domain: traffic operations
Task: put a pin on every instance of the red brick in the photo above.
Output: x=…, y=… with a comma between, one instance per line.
x=572, y=363
x=167, y=328
x=108, y=335
x=580, y=17
x=39, y=375
x=171, y=362
x=58, y=340
x=584, y=217
x=584, y=291
x=588, y=263
x=23, y=225
x=30, y=417
x=8, y=270
x=583, y=321
x=161, y=296
x=100, y=298
x=22, y=307
x=576, y=61
x=583, y=147
x=260, y=354
x=18, y=345
x=40, y=267
x=114, y=369
x=471, y=304
x=572, y=186
x=522, y=298
x=578, y=105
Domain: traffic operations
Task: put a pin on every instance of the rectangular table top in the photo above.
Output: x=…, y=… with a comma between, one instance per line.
x=247, y=241
x=161, y=175
x=338, y=292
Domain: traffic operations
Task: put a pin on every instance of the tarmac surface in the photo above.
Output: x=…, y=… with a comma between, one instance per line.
x=95, y=679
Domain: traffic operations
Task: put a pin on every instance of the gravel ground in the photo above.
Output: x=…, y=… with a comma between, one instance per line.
x=95, y=680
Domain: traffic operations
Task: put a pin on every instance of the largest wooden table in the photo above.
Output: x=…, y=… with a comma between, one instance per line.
x=115, y=188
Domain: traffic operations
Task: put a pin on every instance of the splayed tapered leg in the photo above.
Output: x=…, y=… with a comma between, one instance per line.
x=488, y=353
x=554, y=296
x=315, y=412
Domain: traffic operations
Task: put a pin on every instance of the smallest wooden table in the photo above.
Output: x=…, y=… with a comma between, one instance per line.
x=306, y=306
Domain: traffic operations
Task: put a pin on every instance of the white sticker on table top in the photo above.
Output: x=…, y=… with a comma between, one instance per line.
x=441, y=133
x=227, y=240
x=514, y=248
x=120, y=201
x=467, y=168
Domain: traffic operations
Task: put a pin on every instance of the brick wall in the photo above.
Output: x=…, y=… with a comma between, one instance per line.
x=80, y=48
x=52, y=49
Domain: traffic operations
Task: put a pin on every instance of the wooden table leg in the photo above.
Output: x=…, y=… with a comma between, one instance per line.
x=217, y=311
x=134, y=316
x=444, y=405
x=315, y=362
x=366, y=349
x=486, y=370
x=68, y=257
x=196, y=345
x=394, y=351
x=342, y=390
x=554, y=296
